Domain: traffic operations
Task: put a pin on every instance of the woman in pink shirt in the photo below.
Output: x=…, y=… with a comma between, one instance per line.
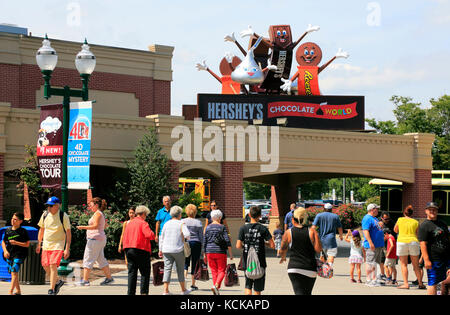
x=136, y=243
x=96, y=242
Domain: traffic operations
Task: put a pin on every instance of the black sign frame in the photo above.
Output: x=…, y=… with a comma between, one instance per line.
x=334, y=112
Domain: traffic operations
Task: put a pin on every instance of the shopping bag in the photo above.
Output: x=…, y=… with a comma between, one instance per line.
x=201, y=271
x=324, y=269
x=158, y=273
x=241, y=264
x=231, y=276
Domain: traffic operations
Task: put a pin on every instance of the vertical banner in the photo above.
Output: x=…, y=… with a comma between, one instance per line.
x=79, y=145
x=49, y=148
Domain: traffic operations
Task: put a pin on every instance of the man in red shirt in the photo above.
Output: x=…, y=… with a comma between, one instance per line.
x=136, y=243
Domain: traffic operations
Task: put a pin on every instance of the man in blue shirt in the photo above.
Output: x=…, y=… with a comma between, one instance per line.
x=288, y=218
x=163, y=216
x=329, y=224
x=373, y=244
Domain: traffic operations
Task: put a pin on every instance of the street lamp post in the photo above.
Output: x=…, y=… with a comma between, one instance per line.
x=85, y=62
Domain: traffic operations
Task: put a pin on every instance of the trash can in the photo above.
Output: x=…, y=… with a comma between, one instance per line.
x=31, y=271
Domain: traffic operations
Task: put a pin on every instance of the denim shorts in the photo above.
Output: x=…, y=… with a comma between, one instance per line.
x=438, y=272
x=14, y=264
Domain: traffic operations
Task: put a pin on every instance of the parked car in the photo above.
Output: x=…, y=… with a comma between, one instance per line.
x=265, y=212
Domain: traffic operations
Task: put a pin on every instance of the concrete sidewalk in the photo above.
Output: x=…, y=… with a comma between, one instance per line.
x=277, y=283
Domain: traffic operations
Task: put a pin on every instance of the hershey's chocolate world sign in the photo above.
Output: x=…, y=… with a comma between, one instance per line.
x=315, y=112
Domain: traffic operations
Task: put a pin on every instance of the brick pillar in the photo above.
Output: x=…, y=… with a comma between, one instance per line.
x=227, y=190
x=190, y=112
x=418, y=193
x=282, y=196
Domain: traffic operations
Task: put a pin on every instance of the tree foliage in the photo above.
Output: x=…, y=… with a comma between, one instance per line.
x=411, y=117
x=148, y=179
x=256, y=191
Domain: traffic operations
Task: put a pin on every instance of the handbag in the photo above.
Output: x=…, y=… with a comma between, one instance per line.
x=220, y=240
x=187, y=247
x=231, y=276
x=324, y=269
x=201, y=271
x=158, y=273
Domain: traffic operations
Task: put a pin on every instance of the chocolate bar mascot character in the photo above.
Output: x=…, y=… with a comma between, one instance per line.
x=227, y=65
x=308, y=58
x=282, y=47
x=249, y=71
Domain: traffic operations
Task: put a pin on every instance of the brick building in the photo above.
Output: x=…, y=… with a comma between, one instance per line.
x=127, y=84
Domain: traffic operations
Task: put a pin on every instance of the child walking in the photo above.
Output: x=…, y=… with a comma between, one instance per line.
x=15, y=243
x=277, y=236
x=357, y=254
x=391, y=257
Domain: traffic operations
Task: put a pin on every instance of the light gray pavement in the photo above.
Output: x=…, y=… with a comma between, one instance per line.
x=277, y=282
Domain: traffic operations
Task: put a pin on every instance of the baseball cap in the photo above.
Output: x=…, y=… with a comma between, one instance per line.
x=53, y=201
x=328, y=206
x=356, y=233
x=372, y=206
x=432, y=205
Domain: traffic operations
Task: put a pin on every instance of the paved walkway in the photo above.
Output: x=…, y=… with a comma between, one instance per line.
x=277, y=283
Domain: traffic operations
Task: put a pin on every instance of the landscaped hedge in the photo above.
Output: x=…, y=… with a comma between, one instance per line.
x=351, y=216
x=80, y=215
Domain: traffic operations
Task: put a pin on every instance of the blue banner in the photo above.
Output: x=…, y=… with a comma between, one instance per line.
x=79, y=145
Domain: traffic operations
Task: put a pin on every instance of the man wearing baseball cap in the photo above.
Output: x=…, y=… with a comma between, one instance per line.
x=434, y=241
x=54, y=238
x=329, y=224
x=373, y=244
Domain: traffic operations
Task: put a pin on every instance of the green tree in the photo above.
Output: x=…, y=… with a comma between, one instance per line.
x=411, y=117
x=148, y=179
x=360, y=186
x=313, y=190
x=256, y=191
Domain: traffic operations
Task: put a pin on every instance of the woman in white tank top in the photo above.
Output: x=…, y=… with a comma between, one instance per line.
x=96, y=242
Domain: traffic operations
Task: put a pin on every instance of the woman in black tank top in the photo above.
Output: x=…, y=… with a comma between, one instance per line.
x=304, y=243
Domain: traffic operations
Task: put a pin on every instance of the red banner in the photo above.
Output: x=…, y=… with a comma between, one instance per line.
x=49, y=148
x=312, y=110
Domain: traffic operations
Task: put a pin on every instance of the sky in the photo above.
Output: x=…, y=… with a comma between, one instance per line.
x=396, y=47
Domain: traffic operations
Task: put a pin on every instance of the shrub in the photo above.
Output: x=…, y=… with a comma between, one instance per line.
x=80, y=215
x=350, y=215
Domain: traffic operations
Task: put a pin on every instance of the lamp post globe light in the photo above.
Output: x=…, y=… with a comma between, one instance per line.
x=85, y=62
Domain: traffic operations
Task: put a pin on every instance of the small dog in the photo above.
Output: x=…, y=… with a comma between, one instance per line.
x=42, y=138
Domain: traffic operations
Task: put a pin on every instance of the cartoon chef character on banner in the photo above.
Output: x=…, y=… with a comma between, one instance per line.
x=227, y=65
x=308, y=58
x=281, y=49
x=249, y=71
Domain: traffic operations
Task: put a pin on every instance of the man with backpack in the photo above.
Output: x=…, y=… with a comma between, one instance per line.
x=252, y=239
x=54, y=239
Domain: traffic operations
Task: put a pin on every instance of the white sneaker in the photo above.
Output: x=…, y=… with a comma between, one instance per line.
x=373, y=283
x=215, y=290
x=188, y=291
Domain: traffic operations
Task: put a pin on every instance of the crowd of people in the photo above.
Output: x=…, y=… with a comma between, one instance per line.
x=185, y=243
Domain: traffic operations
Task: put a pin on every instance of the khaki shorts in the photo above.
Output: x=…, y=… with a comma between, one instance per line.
x=406, y=249
x=374, y=256
x=390, y=262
